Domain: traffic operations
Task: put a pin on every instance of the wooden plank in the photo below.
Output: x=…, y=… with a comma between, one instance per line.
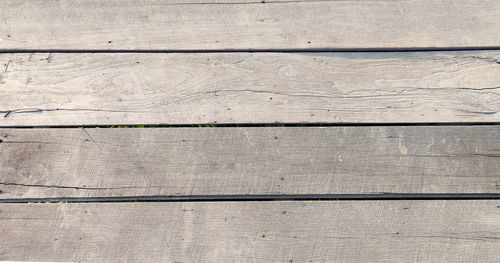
x=41, y=163
x=87, y=89
x=247, y=24
x=350, y=231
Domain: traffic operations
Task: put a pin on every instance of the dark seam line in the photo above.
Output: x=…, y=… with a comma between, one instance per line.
x=271, y=50
x=250, y=198
x=228, y=125
x=252, y=2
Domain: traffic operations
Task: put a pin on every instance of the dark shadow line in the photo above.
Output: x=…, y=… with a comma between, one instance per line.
x=227, y=125
x=261, y=198
x=272, y=50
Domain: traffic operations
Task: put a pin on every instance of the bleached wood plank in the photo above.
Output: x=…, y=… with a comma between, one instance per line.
x=344, y=231
x=43, y=163
x=124, y=88
x=247, y=24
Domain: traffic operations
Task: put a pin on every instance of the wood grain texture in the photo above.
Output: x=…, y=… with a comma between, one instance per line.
x=87, y=89
x=41, y=163
x=247, y=24
x=370, y=231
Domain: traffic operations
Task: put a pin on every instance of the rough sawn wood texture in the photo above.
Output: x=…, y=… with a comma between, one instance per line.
x=42, y=163
x=247, y=24
x=324, y=231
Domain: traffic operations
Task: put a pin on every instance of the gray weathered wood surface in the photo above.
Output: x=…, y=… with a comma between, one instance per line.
x=246, y=24
x=41, y=163
x=86, y=89
x=166, y=62
x=342, y=231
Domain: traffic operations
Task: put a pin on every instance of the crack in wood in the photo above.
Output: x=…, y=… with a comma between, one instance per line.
x=4, y=71
x=248, y=3
x=70, y=187
x=39, y=110
x=488, y=59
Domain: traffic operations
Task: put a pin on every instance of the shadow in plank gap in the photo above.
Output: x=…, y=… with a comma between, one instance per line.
x=260, y=198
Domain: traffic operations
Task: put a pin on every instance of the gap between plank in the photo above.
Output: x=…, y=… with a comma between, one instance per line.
x=229, y=125
x=264, y=198
x=280, y=50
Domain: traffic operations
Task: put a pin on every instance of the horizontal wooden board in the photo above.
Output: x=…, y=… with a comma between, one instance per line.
x=344, y=231
x=42, y=163
x=247, y=24
x=87, y=89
